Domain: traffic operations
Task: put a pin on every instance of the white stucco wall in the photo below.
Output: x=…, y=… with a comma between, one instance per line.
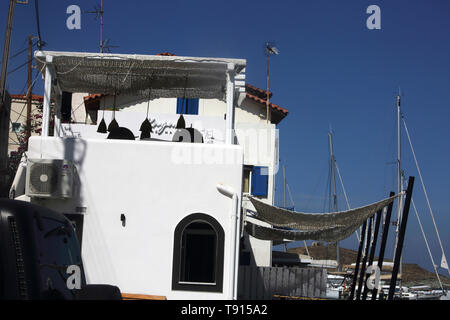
x=78, y=108
x=254, y=134
x=153, y=185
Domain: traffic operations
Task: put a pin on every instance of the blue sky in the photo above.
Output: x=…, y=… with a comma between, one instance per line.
x=332, y=71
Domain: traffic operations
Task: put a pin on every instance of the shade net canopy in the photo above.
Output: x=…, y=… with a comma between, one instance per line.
x=310, y=226
x=332, y=234
x=314, y=221
x=141, y=75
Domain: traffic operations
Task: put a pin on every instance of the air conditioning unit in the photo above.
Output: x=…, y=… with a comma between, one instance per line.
x=49, y=178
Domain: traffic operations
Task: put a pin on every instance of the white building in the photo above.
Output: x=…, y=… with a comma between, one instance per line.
x=143, y=206
x=258, y=137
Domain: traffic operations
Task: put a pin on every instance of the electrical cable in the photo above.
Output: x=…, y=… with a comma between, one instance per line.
x=424, y=189
x=39, y=42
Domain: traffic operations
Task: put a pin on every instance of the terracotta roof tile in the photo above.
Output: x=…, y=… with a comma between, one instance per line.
x=34, y=97
x=257, y=91
x=263, y=101
x=165, y=54
x=93, y=96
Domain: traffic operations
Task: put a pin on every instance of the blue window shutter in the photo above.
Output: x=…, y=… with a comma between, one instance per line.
x=181, y=106
x=187, y=106
x=260, y=181
x=192, y=106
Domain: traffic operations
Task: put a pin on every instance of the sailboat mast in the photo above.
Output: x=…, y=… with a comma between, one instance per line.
x=333, y=179
x=399, y=161
x=333, y=175
x=284, y=197
x=284, y=187
x=399, y=174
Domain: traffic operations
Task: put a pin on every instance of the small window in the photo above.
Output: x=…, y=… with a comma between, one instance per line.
x=198, y=254
x=187, y=106
x=16, y=127
x=255, y=181
x=246, y=179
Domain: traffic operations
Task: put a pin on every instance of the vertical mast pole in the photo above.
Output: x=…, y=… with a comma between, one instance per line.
x=399, y=174
x=333, y=177
x=284, y=196
x=284, y=186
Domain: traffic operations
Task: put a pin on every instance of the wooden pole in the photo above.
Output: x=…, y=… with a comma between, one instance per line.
x=373, y=247
x=384, y=236
x=401, y=238
x=358, y=259
x=5, y=57
x=363, y=264
x=5, y=105
x=29, y=91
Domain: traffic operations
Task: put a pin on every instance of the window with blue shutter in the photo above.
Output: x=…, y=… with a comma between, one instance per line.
x=187, y=106
x=260, y=181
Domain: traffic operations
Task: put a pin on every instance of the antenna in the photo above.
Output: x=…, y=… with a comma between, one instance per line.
x=98, y=11
x=270, y=49
x=106, y=47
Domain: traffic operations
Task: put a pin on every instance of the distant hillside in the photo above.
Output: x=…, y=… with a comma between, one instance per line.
x=413, y=274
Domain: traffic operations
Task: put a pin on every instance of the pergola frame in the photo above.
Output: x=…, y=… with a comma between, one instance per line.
x=141, y=75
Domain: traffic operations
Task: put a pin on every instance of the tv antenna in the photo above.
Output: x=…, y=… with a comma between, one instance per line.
x=269, y=49
x=98, y=11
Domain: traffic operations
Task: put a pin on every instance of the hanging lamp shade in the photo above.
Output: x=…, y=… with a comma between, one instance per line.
x=146, y=126
x=113, y=125
x=102, y=127
x=146, y=129
x=181, y=124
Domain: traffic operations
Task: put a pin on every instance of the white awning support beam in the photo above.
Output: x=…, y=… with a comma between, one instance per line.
x=47, y=96
x=229, y=138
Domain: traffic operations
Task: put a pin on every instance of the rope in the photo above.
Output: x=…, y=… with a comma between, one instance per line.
x=426, y=243
x=293, y=204
x=345, y=195
x=424, y=189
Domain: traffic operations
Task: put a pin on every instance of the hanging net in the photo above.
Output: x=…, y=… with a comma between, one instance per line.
x=310, y=226
x=331, y=234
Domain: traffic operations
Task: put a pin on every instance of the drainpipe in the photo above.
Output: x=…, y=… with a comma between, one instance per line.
x=234, y=250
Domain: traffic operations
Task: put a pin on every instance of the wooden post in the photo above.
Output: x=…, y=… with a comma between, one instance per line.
x=363, y=264
x=5, y=58
x=29, y=91
x=384, y=236
x=5, y=105
x=401, y=238
x=358, y=259
x=373, y=247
